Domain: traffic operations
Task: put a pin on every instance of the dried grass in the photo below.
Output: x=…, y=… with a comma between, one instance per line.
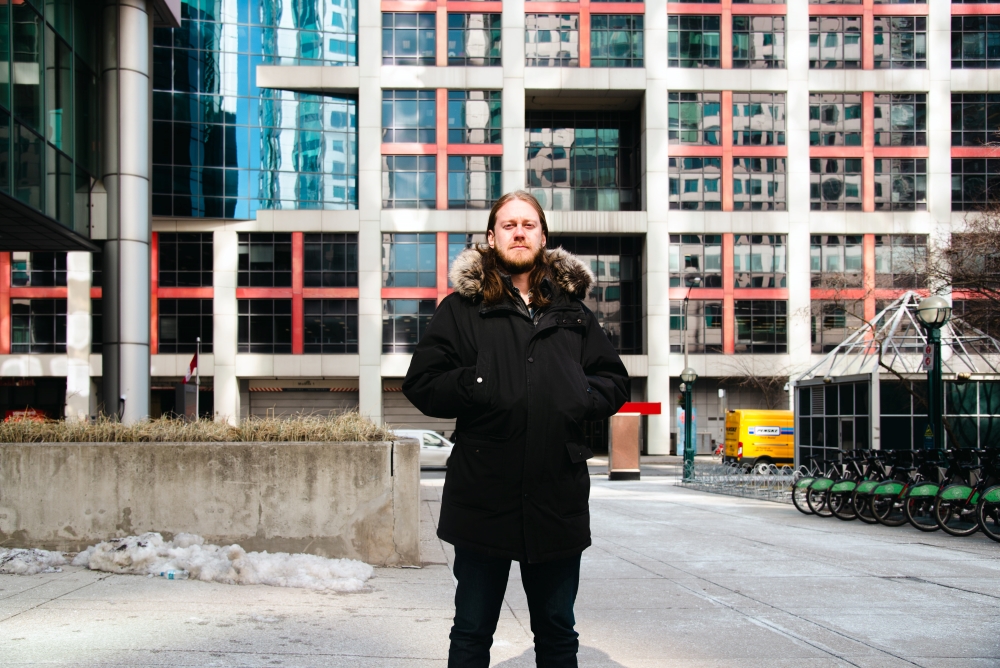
x=345, y=427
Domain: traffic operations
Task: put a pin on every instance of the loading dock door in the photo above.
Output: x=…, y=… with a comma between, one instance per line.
x=399, y=412
x=313, y=401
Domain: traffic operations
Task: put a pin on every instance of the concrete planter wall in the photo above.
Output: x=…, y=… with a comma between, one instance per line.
x=354, y=500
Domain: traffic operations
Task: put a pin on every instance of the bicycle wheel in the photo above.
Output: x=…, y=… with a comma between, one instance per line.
x=888, y=510
x=956, y=516
x=817, y=500
x=799, y=496
x=863, y=508
x=841, y=505
x=988, y=513
x=920, y=513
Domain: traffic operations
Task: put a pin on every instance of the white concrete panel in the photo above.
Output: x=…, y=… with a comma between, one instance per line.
x=311, y=78
x=395, y=365
x=636, y=365
x=45, y=365
x=337, y=366
x=396, y=76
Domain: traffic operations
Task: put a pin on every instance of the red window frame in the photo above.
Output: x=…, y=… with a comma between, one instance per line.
x=726, y=10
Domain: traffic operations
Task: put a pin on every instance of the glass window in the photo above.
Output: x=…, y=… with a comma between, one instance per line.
x=59, y=92
x=409, y=182
x=408, y=39
x=833, y=419
x=979, y=313
x=975, y=117
x=758, y=119
x=695, y=118
x=834, y=321
x=835, y=261
x=835, y=119
x=616, y=296
x=330, y=326
x=696, y=260
x=583, y=161
x=181, y=322
x=900, y=42
x=265, y=260
x=185, y=259
x=458, y=243
x=693, y=41
x=37, y=270
x=761, y=326
x=474, y=117
x=975, y=42
x=96, y=326
x=974, y=182
x=474, y=39
x=27, y=37
x=264, y=326
x=616, y=40
x=38, y=325
x=28, y=154
x=759, y=42
x=759, y=261
x=900, y=184
x=404, y=322
x=473, y=181
x=409, y=260
x=900, y=260
x=330, y=260
x=695, y=184
x=835, y=42
x=552, y=40
x=702, y=329
x=835, y=184
x=901, y=119
x=758, y=184
x=224, y=148
x=408, y=116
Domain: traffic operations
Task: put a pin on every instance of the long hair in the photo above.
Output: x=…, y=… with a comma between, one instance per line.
x=494, y=288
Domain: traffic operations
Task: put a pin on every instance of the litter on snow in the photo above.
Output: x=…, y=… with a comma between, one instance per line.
x=17, y=561
x=149, y=554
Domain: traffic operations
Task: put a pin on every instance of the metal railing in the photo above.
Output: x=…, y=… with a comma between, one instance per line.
x=767, y=483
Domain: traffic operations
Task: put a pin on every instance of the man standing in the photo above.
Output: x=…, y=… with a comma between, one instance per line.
x=518, y=359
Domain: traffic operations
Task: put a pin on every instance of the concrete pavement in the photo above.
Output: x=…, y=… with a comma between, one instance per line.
x=675, y=578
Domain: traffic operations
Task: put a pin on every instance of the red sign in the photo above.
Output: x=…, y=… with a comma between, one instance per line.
x=642, y=407
x=26, y=414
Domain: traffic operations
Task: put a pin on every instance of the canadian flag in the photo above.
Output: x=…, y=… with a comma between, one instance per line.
x=191, y=367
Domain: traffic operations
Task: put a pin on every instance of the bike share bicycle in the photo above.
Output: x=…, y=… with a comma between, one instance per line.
x=957, y=504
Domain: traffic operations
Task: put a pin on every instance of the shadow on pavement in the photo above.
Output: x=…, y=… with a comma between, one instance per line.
x=587, y=656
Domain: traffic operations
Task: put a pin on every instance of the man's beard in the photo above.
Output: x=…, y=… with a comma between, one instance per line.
x=520, y=263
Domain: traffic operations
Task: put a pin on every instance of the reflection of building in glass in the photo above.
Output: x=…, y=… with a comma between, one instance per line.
x=223, y=147
x=583, y=161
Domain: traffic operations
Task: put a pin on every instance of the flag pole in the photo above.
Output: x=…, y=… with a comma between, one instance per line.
x=197, y=379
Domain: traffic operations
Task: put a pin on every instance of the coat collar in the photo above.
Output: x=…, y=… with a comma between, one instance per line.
x=570, y=274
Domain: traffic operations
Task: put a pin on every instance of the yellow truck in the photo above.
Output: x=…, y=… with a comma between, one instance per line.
x=758, y=438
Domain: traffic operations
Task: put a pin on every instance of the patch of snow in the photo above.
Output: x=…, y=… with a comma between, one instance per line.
x=17, y=561
x=230, y=564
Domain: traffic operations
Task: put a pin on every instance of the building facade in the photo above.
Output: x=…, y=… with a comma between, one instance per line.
x=317, y=165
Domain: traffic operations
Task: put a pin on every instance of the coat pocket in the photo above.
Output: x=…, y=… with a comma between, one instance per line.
x=478, y=474
x=578, y=452
x=481, y=383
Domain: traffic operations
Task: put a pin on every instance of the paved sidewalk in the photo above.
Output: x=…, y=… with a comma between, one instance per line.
x=675, y=578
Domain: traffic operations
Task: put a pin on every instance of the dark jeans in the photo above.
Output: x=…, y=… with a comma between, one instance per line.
x=551, y=590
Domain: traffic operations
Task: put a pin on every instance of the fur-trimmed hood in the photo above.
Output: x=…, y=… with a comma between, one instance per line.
x=569, y=272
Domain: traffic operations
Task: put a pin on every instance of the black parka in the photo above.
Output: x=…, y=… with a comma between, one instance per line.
x=520, y=386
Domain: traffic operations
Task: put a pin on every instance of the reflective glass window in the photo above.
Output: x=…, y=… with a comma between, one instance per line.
x=834, y=321
x=975, y=42
x=835, y=42
x=474, y=117
x=409, y=260
x=38, y=325
x=901, y=119
x=900, y=42
x=409, y=182
x=330, y=326
x=182, y=322
x=758, y=119
x=693, y=41
x=835, y=261
x=759, y=184
x=37, y=269
x=616, y=40
x=835, y=184
x=835, y=119
x=408, y=39
x=409, y=116
x=975, y=118
x=264, y=326
x=474, y=181
x=759, y=42
x=761, y=326
x=700, y=328
x=696, y=260
x=695, y=118
x=404, y=322
x=264, y=260
x=759, y=261
x=900, y=184
x=583, y=161
x=331, y=260
x=974, y=182
x=695, y=184
x=474, y=39
x=185, y=259
x=552, y=40
x=900, y=260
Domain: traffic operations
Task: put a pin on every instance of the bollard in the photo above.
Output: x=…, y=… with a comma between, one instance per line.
x=623, y=450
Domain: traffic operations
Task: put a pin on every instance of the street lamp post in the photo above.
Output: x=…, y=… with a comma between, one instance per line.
x=933, y=312
x=688, y=375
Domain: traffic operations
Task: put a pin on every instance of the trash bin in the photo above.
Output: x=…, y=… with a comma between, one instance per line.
x=623, y=451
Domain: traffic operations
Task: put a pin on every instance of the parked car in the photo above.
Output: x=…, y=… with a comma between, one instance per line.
x=434, y=448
